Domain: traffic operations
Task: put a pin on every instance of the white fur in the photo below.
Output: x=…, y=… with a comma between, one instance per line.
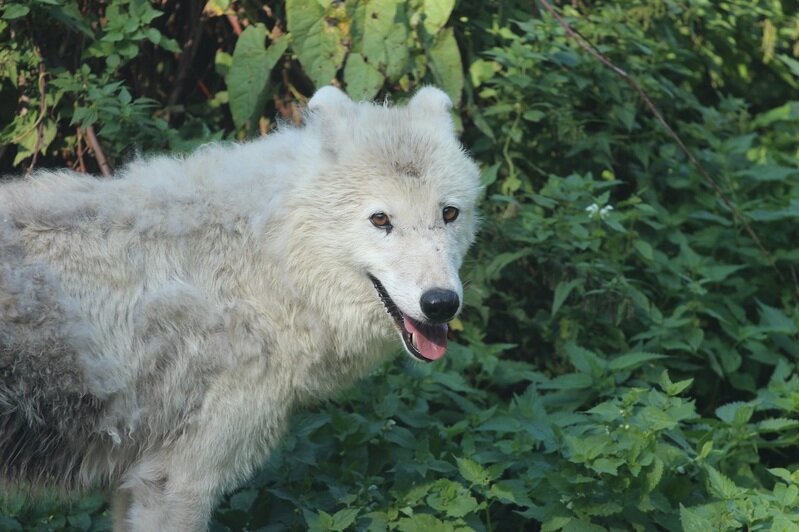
x=201, y=298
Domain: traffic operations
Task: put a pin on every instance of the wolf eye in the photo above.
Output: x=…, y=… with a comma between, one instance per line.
x=450, y=214
x=380, y=219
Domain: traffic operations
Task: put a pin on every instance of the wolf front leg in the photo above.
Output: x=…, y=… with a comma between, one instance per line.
x=177, y=487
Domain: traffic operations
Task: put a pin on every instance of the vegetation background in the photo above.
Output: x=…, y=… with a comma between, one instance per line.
x=627, y=357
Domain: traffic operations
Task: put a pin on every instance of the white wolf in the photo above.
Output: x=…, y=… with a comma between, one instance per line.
x=157, y=329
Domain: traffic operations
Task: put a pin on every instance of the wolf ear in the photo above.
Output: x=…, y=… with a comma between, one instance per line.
x=430, y=100
x=329, y=101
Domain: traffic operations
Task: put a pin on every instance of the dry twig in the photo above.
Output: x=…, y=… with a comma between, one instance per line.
x=91, y=138
x=591, y=49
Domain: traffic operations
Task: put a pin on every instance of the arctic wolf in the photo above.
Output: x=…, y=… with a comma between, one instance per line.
x=157, y=329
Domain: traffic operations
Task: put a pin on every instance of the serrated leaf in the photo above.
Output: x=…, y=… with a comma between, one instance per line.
x=775, y=319
x=633, y=360
x=423, y=523
x=445, y=62
x=472, y=471
x=363, y=80
x=777, y=424
x=692, y=520
x=249, y=71
x=656, y=419
x=721, y=486
x=737, y=413
x=654, y=475
x=562, y=291
x=583, y=360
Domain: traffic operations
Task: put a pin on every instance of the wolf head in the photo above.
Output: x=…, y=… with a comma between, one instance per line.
x=400, y=193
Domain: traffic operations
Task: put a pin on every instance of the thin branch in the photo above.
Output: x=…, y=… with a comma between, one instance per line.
x=105, y=168
x=588, y=47
x=188, y=53
x=79, y=149
x=40, y=118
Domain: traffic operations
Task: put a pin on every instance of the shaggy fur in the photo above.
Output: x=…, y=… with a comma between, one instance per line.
x=156, y=329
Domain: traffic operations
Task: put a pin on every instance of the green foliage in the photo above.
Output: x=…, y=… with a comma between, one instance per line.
x=627, y=358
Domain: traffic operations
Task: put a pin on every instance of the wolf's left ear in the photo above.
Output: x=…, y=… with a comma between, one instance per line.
x=430, y=100
x=329, y=101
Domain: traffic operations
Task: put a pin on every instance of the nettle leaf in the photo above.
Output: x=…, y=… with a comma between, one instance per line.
x=473, y=472
x=445, y=62
x=562, y=291
x=721, y=486
x=633, y=360
x=673, y=388
x=423, y=523
x=777, y=424
x=656, y=419
x=585, y=361
x=249, y=71
x=452, y=498
x=317, y=38
x=775, y=319
x=737, y=413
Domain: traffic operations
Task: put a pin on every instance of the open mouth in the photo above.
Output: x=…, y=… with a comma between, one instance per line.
x=424, y=341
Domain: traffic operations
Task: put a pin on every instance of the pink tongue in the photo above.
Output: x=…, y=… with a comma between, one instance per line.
x=429, y=340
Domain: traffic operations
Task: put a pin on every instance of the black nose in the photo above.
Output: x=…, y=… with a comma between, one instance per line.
x=439, y=305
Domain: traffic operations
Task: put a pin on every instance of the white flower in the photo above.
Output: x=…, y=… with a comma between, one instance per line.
x=593, y=211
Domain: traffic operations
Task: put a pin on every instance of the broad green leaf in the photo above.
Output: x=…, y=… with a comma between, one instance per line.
x=342, y=519
x=644, y=248
x=12, y=11
x=363, y=80
x=317, y=37
x=380, y=35
x=445, y=62
x=436, y=13
x=555, y=523
x=249, y=71
x=243, y=500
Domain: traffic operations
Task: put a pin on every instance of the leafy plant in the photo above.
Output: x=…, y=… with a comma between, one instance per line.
x=627, y=357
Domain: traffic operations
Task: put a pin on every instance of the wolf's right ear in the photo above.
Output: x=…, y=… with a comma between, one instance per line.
x=329, y=101
x=432, y=102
